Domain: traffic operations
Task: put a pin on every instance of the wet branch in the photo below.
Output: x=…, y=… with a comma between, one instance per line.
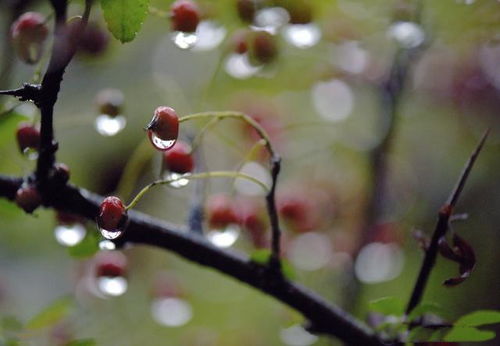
x=445, y=213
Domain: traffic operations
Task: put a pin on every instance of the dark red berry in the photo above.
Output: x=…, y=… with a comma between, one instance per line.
x=28, y=33
x=300, y=11
x=110, y=264
x=298, y=211
x=110, y=102
x=28, y=198
x=263, y=47
x=185, y=15
x=28, y=137
x=246, y=10
x=179, y=159
x=221, y=212
x=164, y=126
x=252, y=219
x=239, y=41
x=64, y=218
x=94, y=40
x=112, y=214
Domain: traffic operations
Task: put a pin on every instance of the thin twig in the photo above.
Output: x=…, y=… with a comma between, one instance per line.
x=440, y=230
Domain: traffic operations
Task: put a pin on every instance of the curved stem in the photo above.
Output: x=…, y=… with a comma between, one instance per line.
x=204, y=175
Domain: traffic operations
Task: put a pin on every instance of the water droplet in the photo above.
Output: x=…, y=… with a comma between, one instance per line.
x=210, y=35
x=302, y=35
x=310, y=251
x=112, y=286
x=407, y=34
x=184, y=40
x=224, y=238
x=296, y=335
x=110, y=235
x=159, y=143
x=333, y=99
x=379, y=262
x=271, y=19
x=69, y=235
x=257, y=171
x=350, y=57
x=239, y=66
x=171, y=312
x=109, y=126
x=180, y=182
x=31, y=153
x=107, y=245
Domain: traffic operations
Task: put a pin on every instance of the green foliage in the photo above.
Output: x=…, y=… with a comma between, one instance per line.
x=387, y=306
x=425, y=308
x=87, y=247
x=479, y=318
x=124, y=17
x=461, y=334
x=262, y=256
x=52, y=314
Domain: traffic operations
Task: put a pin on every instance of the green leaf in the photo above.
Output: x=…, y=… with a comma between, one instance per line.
x=86, y=248
x=387, y=306
x=124, y=17
x=462, y=334
x=425, y=308
x=82, y=342
x=479, y=318
x=262, y=256
x=52, y=314
x=418, y=334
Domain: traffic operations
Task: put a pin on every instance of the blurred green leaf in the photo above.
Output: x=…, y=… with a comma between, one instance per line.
x=87, y=247
x=124, y=17
x=11, y=323
x=387, y=306
x=461, y=333
x=479, y=318
x=262, y=256
x=425, y=308
x=8, y=125
x=52, y=314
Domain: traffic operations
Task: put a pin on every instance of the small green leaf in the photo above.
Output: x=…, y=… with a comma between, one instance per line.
x=288, y=270
x=86, y=248
x=82, y=342
x=52, y=314
x=425, y=308
x=387, y=306
x=463, y=334
x=479, y=318
x=260, y=256
x=418, y=334
x=124, y=17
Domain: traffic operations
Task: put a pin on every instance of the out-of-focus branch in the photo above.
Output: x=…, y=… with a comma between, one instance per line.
x=440, y=230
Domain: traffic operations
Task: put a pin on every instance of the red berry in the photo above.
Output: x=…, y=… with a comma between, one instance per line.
x=246, y=10
x=221, y=212
x=112, y=214
x=28, y=137
x=263, y=47
x=28, y=33
x=300, y=11
x=110, y=102
x=165, y=127
x=110, y=264
x=94, y=40
x=28, y=198
x=179, y=159
x=239, y=41
x=64, y=218
x=298, y=211
x=251, y=217
x=185, y=15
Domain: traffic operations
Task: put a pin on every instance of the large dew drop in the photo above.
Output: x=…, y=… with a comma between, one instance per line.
x=179, y=180
x=69, y=235
x=109, y=126
x=239, y=66
x=112, y=286
x=110, y=235
x=224, y=238
x=159, y=143
x=210, y=35
x=302, y=35
x=171, y=312
x=184, y=40
x=107, y=245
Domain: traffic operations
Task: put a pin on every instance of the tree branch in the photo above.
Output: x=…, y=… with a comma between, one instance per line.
x=142, y=229
x=440, y=230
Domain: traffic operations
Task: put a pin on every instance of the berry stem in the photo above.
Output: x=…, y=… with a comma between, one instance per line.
x=204, y=175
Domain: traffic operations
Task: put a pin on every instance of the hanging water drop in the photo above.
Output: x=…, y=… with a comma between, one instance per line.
x=110, y=235
x=31, y=153
x=112, y=286
x=69, y=235
x=179, y=180
x=184, y=40
x=108, y=125
x=407, y=34
x=107, y=245
x=271, y=19
x=159, y=143
x=225, y=237
x=302, y=35
x=210, y=35
x=239, y=66
x=171, y=312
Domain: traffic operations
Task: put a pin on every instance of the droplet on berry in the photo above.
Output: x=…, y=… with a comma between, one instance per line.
x=163, y=128
x=110, y=106
x=110, y=271
x=112, y=217
x=263, y=47
x=179, y=163
x=28, y=140
x=223, y=221
x=28, y=198
x=28, y=34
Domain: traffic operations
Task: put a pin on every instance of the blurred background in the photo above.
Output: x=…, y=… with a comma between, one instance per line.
x=315, y=86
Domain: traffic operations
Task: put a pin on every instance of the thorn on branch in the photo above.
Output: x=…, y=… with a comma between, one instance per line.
x=28, y=92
